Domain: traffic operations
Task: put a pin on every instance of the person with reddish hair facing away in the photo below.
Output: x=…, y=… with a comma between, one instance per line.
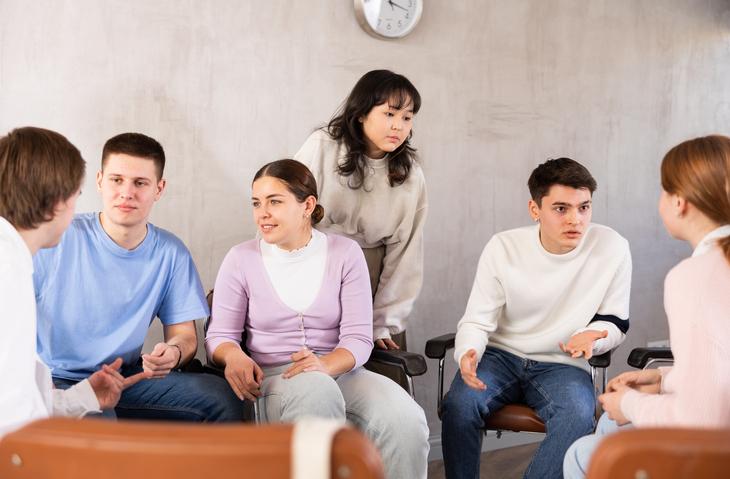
x=695, y=207
x=40, y=180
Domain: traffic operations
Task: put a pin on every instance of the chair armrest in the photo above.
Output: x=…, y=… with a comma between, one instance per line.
x=639, y=357
x=412, y=363
x=436, y=347
x=601, y=360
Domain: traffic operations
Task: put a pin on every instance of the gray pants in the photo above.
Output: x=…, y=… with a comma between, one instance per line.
x=373, y=403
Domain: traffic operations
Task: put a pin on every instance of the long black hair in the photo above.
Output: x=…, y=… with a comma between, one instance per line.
x=374, y=88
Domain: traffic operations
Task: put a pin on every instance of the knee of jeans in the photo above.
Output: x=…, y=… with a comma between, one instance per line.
x=462, y=405
x=314, y=391
x=580, y=412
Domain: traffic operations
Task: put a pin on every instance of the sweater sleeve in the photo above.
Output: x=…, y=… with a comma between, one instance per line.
x=482, y=311
x=614, y=307
x=230, y=306
x=356, y=327
x=402, y=274
x=311, y=154
x=76, y=401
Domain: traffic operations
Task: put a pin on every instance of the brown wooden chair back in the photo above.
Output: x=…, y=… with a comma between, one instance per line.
x=61, y=448
x=662, y=453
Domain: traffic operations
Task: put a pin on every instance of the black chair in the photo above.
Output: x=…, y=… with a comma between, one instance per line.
x=512, y=417
x=643, y=358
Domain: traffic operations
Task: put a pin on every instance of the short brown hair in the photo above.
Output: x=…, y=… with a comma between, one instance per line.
x=559, y=171
x=699, y=171
x=135, y=144
x=298, y=180
x=38, y=169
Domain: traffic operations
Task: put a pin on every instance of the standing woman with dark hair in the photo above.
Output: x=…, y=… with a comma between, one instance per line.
x=375, y=192
x=695, y=207
x=303, y=298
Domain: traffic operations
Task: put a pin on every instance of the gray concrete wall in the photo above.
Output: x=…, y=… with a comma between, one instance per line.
x=229, y=85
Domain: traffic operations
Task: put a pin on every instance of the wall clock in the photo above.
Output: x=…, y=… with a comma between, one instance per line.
x=388, y=18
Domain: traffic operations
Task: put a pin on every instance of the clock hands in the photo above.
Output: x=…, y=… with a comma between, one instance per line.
x=393, y=4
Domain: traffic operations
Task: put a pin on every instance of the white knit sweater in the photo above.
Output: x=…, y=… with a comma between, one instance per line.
x=374, y=215
x=526, y=300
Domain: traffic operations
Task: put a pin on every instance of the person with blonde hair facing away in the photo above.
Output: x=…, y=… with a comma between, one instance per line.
x=695, y=207
x=40, y=180
x=303, y=299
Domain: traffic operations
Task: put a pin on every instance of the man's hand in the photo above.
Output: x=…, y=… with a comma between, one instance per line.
x=611, y=403
x=468, y=369
x=581, y=344
x=108, y=383
x=163, y=359
x=243, y=375
x=304, y=361
x=386, y=343
x=646, y=381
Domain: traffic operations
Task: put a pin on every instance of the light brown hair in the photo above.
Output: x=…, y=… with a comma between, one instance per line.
x=699, y=171
x=38, y=169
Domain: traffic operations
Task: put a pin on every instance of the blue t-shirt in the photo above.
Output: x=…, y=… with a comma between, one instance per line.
x=96, y=300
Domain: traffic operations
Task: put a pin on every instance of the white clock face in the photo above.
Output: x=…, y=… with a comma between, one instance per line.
x=392, y=18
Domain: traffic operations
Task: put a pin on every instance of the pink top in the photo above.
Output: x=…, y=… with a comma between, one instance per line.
x=696, y=390
x=340, y=317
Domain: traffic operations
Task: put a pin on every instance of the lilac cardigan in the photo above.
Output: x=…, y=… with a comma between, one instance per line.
x=340, y=317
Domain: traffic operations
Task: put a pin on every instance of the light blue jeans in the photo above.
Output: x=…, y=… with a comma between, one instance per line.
x=373, y=403
x=575, y=463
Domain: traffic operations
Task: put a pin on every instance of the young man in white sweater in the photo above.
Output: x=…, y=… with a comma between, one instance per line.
x=545, y=299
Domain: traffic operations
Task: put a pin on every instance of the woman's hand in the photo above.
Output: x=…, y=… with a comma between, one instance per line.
x=243, y=374
x=305, y=361
x=611, y=403
x=386, y=343
x=646, y=381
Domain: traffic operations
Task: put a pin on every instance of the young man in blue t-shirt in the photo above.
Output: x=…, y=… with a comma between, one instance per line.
x=113, y=272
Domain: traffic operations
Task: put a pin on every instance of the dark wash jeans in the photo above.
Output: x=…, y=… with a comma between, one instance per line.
x=563, y=396
x=179, y=396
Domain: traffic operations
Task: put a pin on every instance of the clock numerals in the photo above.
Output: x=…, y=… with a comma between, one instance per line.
x=388, y=18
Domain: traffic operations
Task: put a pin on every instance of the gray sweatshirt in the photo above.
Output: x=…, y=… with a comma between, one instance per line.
x=375, y=215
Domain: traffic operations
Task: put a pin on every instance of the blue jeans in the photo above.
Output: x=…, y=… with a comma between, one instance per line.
x=178, y=396
x=575, y=464
x=562, y=395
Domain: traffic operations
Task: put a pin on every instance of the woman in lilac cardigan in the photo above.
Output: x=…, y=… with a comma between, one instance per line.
x=303, y=298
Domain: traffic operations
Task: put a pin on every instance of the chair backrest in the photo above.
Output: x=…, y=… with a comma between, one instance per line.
x=662, y=453
x=62, y=448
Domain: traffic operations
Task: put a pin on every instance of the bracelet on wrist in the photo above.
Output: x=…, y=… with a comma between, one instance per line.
x=179, y=358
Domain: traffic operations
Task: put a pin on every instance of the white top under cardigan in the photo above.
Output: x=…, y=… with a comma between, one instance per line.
x=526, y=300
x=27, y=392
x=374, y=215
x=296, y=275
